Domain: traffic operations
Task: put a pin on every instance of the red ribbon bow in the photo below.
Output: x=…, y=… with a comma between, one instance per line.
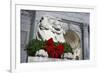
x=54, y=51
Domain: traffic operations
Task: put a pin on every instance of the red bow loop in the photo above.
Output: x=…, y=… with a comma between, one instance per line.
x=54, y=51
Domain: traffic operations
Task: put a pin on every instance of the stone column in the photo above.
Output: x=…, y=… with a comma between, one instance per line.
x=25, y=32
x=86, y=41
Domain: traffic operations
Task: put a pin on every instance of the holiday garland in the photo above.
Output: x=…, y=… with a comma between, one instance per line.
x=54, y=49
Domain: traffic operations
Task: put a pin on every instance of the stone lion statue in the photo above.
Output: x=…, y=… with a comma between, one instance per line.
x=52, y=28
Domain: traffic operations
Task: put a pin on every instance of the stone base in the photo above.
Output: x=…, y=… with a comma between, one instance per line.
x=43, y=59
